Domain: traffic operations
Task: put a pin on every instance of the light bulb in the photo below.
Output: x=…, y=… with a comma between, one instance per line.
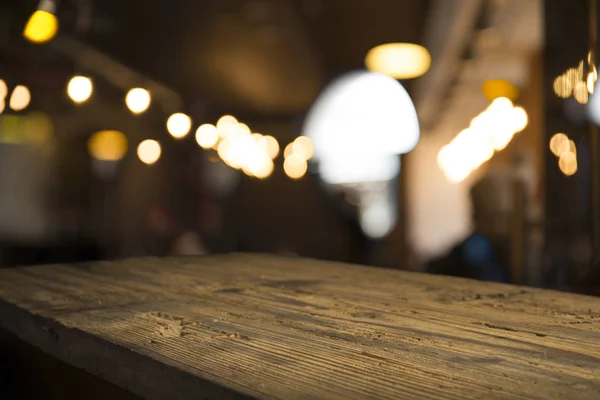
x=43, y=24
x=149, y=151
x=179, y=125
x=295, y=166
x=138, y=100
x=20, y=98
x=3, y=90
x=303, y=147
x=207, y=136
x=272, y=147
x=107, y=145
x=399, y=60
x=80, y=89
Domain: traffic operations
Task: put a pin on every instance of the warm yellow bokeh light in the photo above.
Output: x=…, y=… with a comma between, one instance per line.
x=557, y=143
x=223, y=149
x=591, y=82
x=3, y=89
x=2, y=105
x=242, y=131
x=265, y=170
x=399, y=60
x=225, y=123
x=567, y=146
x=207, y=136
x=80, y=89
x=580, y=92
x=563, y=87
x=303, y=146
x=289, y=150
x=518, y=119
x=20, y=98
x=107, y=145
x=295, y=166
x=568, y=164
x=494, y=88
x=138, y=100
x=149, y=151
x=179, y=125
x=272, y=147
x=571, y=77
x=41, y=27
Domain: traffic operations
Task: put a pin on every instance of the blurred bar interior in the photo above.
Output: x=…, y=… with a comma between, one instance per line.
x=447, y=136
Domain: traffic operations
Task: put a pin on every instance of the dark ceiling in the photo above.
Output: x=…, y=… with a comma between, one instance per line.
x=254, y=57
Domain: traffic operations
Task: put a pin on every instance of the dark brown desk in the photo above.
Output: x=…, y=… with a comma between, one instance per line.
x=266, y=327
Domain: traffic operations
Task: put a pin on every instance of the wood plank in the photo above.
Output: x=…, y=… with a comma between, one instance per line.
x=267, y=327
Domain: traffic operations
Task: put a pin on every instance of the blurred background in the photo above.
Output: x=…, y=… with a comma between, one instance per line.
x=446, y=136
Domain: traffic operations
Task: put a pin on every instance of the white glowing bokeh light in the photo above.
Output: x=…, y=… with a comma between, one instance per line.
x=358, y=118
x=80, y=89
x=149, y=151
x=377, y=217
x=138, y=100
x=179, y=125
x=20, y=98
x=207, y=136
x=345, y=170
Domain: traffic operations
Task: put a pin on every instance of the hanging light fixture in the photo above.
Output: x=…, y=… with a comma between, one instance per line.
x=399, y=60
x=42, y=26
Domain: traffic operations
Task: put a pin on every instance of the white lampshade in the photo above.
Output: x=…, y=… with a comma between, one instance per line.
x=362, y=119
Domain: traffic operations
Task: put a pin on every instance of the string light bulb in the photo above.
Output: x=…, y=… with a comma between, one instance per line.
x=179, y=125
x=138, y=100
x=108, y=145
x=80, y=89
x=42, y=26
x=149, y=151
x=20, y=98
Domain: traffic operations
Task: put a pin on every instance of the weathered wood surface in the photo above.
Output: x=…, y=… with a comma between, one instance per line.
x=281, y=328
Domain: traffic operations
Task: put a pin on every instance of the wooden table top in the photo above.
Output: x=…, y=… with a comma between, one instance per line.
x=267, y=327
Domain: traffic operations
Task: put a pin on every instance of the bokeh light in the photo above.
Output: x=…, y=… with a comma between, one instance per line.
x=562, y=87
x=224, y=124
x=179, y=125
x=377, y=217
x=42, y=26
x=399, y=60
x=2, y=105
x=295, y=166
x=109, y=145
x=138, y=100
x=557, y=143
x=272, y=147
x=80, y=89
x=591, y=82
x=149, y=151
x=490, y=131
x=580, y=92
x=303, y=147
x=494, y=88
x=20, y=98
x=568, y=163
x=207, y=136
x=3, y=89
x=289, y=150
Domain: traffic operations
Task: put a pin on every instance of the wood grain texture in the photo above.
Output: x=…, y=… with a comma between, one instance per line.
x=227, y=327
